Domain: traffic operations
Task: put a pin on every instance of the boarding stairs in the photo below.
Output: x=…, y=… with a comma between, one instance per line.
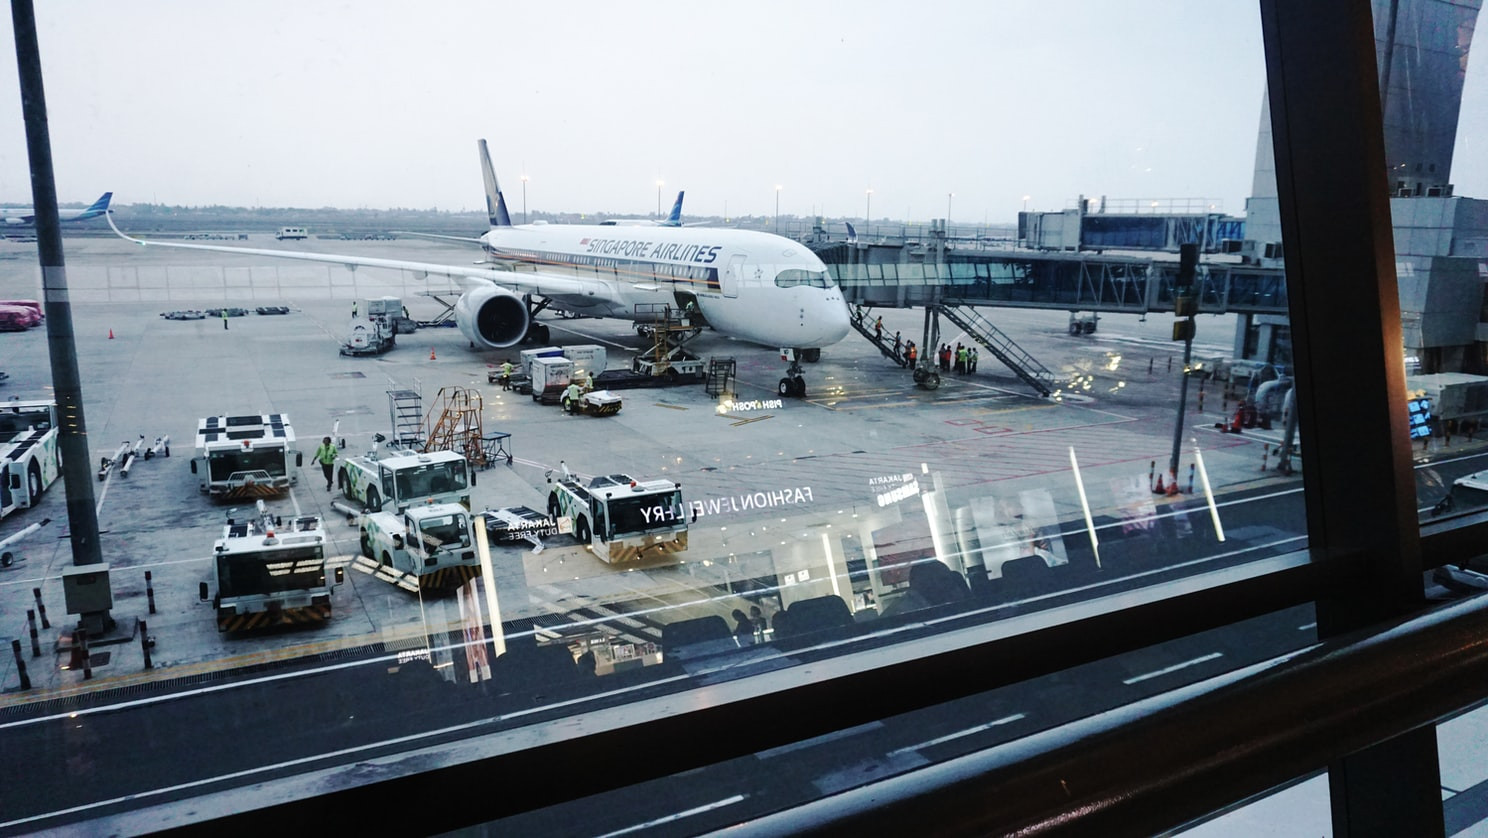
x=864, y=324
x=454, y=424
x=997, y=342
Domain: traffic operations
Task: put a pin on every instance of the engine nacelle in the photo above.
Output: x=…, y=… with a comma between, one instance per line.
x=491, y=317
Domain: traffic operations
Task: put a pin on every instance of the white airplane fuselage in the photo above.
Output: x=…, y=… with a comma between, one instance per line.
x=754, y=286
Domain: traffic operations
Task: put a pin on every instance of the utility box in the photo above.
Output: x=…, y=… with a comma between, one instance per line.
x=589, y=357
x=526, y=356
x=550, y=372
x=385, y=307
x=86, y=589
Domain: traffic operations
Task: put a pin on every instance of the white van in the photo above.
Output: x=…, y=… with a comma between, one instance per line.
x=291, y=233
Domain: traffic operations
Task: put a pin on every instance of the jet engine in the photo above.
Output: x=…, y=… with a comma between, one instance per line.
x=492, y=317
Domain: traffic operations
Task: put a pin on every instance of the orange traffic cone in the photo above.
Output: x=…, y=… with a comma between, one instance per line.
x=111, y=334
x=431, y=354
x=1158, y=489
x=1173, y=485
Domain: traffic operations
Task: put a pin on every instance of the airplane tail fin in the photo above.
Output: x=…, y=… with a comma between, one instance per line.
x=495, y=203
x=852, y=235
x=98, y=207
x=674, y=218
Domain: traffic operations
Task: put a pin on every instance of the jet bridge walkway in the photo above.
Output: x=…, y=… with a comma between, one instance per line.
x=1104, y=283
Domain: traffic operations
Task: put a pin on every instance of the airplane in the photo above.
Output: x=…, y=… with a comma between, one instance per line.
x=753, y=286
x=26, y=216
x=673, y=219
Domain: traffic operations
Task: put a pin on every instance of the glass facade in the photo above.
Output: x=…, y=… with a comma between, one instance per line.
x=1030, y=490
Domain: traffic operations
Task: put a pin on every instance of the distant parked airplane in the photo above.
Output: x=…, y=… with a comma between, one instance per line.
x=752, y=286
x=26, y=216
x=673, y=219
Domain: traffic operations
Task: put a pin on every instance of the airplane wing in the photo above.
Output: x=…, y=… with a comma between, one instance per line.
x=559, y=288
x=438, y=237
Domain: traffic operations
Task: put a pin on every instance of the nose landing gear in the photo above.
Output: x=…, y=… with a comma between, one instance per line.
x=793, y=385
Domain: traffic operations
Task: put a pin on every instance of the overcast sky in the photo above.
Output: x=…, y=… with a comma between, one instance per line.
x=374, y=104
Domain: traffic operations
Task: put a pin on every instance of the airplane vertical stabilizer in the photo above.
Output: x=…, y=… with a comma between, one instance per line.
x=674, y=218
x=495, y=203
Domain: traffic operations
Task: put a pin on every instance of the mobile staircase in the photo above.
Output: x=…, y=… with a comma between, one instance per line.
x=860, y=321
x=1001, y=346
x=454, y=424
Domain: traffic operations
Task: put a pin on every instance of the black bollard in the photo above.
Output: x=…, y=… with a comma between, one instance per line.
x=15, y=646
x=1190, y=477
x=35, y=643
x=145, y=644
x=149, y=592
x=40, y=608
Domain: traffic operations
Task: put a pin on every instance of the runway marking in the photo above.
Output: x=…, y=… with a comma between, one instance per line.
x=1167, y=670
x=697, y=810
x=671, y=406
x=941, y=740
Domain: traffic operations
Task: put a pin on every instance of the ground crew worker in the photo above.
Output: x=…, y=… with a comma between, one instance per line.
x=353, y=309
x=910, y=354
x=326, y=456
x=224, y=318
x=506, y=371
x=571, y=397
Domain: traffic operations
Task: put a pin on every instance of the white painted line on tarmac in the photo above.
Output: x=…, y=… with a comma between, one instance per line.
x=697, y=810
x=1174, y=668
x=959, y=734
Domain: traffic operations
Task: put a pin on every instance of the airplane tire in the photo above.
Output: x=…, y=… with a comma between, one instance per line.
x=785, y=389
x=799, y=385
x=932, y=381
x=540, y=333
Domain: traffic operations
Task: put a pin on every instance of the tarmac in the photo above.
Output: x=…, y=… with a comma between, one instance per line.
x=791, y=491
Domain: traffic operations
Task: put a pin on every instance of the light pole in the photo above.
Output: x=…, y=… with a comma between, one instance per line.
x=777, y=209
x=524, y=199
x=659, y=184
x=867, y=210
x=949, y=196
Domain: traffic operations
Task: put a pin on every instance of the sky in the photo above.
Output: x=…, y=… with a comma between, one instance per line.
x=967, y=105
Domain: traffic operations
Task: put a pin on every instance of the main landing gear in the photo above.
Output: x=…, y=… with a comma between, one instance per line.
x=793, y=384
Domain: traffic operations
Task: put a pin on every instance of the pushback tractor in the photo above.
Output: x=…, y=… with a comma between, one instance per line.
x=269, y=572
x=245, y=457
x=398, y=478
x=28, y=453
x=427, y=548
x=621, y=519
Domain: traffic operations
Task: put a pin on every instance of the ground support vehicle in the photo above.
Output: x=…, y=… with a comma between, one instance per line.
x=375, y=331
x=29, y=461
x=269, y=572
x=249, y=456
x=621, y=519
x=17, y=318
x=595, y=403
x=399, y=478
x=428, y=548
x=519, y=524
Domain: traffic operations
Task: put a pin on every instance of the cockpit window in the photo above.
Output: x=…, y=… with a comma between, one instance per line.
x=792, y=277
